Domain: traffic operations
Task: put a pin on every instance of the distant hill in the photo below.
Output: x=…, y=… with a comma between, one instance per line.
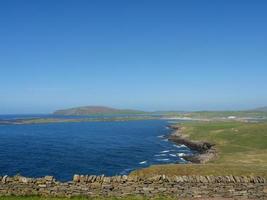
x=261, y=109
x=95, y=110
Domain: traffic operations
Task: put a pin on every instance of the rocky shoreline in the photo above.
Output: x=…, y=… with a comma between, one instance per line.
x=206, y=151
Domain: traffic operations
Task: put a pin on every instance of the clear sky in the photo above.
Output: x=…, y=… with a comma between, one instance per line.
x=140, y=54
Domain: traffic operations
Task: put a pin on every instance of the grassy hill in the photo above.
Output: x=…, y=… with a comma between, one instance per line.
x=96, y=110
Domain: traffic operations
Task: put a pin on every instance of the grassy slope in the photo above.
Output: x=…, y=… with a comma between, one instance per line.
x=242, y=150
x=237, y=143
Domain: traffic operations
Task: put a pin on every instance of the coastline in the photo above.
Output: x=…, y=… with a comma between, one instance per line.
x=177, y=180
x=206, y=151
x=51, y=120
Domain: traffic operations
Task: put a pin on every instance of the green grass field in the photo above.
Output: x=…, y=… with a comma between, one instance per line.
x=242, y=150
x=216, y=114
x=256, y=113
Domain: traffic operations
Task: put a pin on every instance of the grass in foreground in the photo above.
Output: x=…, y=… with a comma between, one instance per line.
x=242, y=149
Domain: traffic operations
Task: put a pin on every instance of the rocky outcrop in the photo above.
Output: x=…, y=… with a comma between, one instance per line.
x=206, y=151
x=119, y=186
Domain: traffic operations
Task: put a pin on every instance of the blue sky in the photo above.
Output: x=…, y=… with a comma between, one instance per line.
x=142, y=54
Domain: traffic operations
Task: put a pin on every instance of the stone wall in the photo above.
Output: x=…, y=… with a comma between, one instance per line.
x=119, y=186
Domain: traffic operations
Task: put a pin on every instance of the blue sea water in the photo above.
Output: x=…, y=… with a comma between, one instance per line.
x=64, y=149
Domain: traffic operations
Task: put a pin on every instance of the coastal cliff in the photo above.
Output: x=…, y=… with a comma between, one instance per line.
x=206, y=150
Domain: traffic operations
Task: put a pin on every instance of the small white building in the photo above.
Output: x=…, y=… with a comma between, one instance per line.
x=231, y=117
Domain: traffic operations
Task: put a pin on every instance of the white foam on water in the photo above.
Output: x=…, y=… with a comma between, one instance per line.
x=165, y=151
x=165, y=140
x=163, y=159
x=181, y=154
x=179, y=146
x=143, y=162
x=172, y=155
x=160, y=136
x=183, y=160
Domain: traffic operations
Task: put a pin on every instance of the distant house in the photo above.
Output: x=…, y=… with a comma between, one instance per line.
x=231, y=117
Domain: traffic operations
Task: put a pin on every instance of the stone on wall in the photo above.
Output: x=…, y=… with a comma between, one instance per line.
x=252, y=187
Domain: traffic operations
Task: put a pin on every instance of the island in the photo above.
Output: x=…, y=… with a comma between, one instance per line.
x=96, y=110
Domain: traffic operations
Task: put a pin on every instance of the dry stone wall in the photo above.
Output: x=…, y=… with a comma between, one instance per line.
x=119, y=186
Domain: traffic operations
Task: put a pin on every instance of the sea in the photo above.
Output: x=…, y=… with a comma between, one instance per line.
x=94, y=148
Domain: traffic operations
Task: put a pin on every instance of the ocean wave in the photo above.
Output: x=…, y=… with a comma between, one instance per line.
x=172, y=155
x=165, y=151
x=181, y=154
x=160, y=136
x=143, y=162
x=179, y=146
x=163, y=159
